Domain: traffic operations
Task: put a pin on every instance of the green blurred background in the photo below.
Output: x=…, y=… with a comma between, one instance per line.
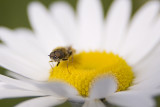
x=13, y=14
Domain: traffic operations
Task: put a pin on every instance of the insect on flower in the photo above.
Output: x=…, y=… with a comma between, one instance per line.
x=61, y=54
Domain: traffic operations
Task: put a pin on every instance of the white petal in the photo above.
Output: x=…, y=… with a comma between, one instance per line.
x=152, y=82
x=28, y=35
x=42, y=102
x=150, y=93
x=131, y=99
x=17, y=76
x=20, y=77
x=32, y=47
x=61, y=10
x=116, y=24
x=58, y=87
x=146, y=46
x=103, y=87
x=149, y=84
x=93, y=103
x=10, y=93
x=24, y=43
x=90, y=19
x=45, y=27
x=148, y=67
x=18, y=83
x=141, y=38
x=2, y=85
x=11, y=61
x=77, y=98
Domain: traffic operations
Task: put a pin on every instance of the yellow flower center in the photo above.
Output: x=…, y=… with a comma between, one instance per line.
x=85, y=67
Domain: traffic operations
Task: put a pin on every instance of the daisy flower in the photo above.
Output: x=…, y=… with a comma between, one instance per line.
x=116, y=60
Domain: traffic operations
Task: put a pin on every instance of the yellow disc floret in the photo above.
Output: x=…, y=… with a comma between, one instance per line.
x=81, y=70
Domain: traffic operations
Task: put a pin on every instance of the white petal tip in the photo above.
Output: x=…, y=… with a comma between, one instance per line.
x=103, y=87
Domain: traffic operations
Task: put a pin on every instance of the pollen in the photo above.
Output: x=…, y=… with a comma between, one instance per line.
x=85, y=67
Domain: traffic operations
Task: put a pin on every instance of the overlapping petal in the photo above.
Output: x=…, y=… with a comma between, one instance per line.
x=44, y=27
x=68, y=26
x=116, y=24
x=131, y=99
x=103, y=87
x=90, y=21
x=138, y=42
x=42, y=102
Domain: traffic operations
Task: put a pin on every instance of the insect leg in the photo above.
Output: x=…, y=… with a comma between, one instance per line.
x=58, y=63
x=72, y=59
x=67, y=65
x=64, y=59
x=51, y=64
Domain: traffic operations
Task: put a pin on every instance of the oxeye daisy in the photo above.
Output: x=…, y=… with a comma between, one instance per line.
x=116, y=60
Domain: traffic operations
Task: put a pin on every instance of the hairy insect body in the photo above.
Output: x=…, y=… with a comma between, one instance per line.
x=61, y=54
